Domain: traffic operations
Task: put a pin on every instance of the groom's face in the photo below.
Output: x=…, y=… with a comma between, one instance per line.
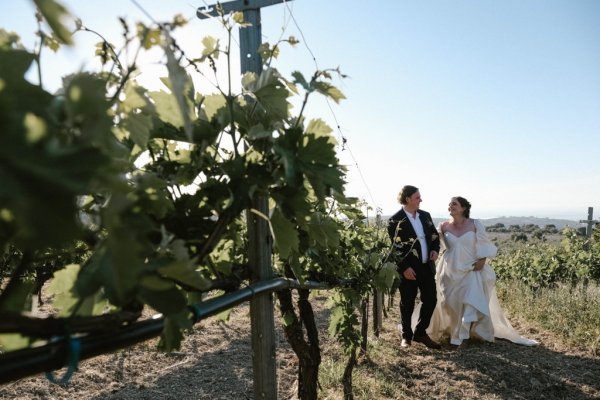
x=413, y=202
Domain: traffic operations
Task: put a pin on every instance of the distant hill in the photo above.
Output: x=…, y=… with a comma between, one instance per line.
x=541, y=222
x=507, y=221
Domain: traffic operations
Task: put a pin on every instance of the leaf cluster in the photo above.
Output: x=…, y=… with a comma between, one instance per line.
x=574, y=260
x=152, y=187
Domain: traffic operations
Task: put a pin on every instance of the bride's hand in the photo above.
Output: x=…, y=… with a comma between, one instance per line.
x=478, y=265
x=433, y=255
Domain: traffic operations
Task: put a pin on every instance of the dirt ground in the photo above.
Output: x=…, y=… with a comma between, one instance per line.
x=215, y=363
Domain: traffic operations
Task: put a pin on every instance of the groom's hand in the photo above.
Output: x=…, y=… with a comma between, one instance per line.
x=409, y=274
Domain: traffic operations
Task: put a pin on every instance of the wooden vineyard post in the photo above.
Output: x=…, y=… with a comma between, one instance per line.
x=259, y=238
x=590, y=222
x=377, y=311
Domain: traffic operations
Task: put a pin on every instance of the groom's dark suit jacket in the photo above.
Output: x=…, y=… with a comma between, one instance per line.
x=400, y=227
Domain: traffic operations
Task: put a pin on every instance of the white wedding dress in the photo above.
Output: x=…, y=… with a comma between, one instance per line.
x=467, y=304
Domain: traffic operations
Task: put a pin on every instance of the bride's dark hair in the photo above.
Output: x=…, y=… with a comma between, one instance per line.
x=464, y=204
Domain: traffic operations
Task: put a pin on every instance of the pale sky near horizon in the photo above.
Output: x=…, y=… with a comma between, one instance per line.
x=497, y=101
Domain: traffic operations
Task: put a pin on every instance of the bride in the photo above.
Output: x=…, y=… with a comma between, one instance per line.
x=467, y=302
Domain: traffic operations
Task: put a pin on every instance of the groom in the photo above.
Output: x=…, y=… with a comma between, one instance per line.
x=416, y=244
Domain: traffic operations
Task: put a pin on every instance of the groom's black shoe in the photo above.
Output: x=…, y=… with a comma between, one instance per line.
x=426, y=340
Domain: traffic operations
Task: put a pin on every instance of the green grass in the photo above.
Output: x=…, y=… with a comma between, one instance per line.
x=380, y=379
x=571, y=312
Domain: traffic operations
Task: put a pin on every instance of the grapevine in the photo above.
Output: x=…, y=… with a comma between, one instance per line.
x=146, y=191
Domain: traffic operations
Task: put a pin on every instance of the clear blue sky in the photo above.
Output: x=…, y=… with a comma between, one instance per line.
x=497, y=101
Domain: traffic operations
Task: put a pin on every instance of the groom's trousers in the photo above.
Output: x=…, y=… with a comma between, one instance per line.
x=425, y=283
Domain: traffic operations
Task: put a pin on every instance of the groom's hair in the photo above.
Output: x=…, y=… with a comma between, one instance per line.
x=406, y=192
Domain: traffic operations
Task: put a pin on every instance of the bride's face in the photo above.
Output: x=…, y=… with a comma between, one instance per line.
x=454, y=207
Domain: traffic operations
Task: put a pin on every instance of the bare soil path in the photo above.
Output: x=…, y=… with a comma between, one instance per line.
x=215, y=363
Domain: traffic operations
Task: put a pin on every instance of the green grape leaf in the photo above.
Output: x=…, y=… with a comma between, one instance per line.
x=54, y=13
x=319, y=128
x=320, y=165
x=62, y=287
x=19, y=299
x=167, y=108
x=169, y=301
x=286, y=147
x=329, y=90
x=13, y=341
x=172, y=334
x=297, y=268
x=386, y=276
x=323, y=231
x=126, y=265
x=273, y=99
x=135, y=98
x=93, y=305
x=212, y=104
x=148, y=37
x=336, y=319
x=299, y=80
x=139, y=126
x=156, y=283
x=269, y=91
x=286, y=236
x=259, y=132
x=52, y=42
x=95, y=273
x=181, y=83
x=224, y=315
x=211, y=47
x=8, y=39
x=288, y=318
x=183, y=271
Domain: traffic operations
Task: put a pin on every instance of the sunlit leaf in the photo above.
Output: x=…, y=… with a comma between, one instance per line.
x=181, y=85
x=212, y=104
x=319, y=128
x=149, y=37
x=62, y=288
x=54, y=13
x=270, y=92
x=35, y=127
x=139, y=126
x=13, y=341
x=224, y=315
x=211, y=46
x=329, y=90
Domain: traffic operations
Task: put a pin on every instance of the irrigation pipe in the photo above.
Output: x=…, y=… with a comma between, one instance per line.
x=18, y=364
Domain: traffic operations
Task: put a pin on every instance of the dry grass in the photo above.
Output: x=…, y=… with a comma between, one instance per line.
x=500, y=370
x=571, y=312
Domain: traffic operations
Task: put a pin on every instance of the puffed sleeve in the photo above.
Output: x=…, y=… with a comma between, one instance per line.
x=483, y=246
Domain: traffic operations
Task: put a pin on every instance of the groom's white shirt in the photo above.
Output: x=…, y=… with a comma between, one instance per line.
x=418, y=227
